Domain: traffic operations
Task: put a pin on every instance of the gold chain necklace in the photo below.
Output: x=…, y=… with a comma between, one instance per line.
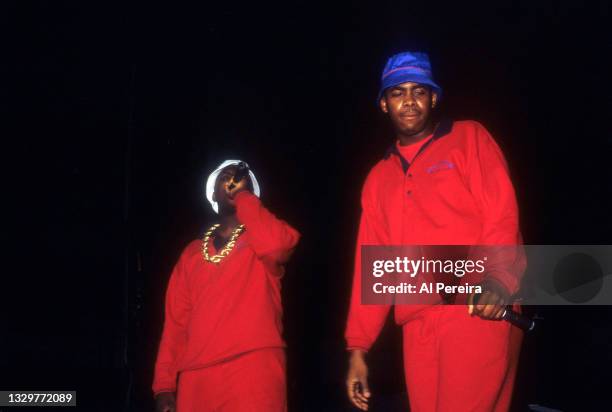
x=226, y=249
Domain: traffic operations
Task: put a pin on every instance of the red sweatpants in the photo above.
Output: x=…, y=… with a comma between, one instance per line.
x=454, y=362
x=252, y=382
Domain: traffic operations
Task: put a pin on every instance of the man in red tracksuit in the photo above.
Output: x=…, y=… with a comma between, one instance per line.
x=221, y=347
x=440, y=183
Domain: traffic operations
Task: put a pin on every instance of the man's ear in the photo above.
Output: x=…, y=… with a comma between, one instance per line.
x=383, y=104
x=434, y=100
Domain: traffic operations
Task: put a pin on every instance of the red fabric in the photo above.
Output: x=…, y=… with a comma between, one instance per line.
x=457, y=191
x=457, y=363
x=217, y=311
x=409, y=151
x=251, y=382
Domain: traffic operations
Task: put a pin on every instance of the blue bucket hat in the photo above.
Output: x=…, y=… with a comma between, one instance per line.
x=408, y=67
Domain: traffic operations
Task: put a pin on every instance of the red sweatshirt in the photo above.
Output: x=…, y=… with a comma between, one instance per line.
x=216, y=311
x=457, y=191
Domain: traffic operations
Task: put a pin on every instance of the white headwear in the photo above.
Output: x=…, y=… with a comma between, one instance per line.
x=212, y=179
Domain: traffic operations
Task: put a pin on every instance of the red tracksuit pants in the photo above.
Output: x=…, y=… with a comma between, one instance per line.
x=455, y=362
x=252, y=382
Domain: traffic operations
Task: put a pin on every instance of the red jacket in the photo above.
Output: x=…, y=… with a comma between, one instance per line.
x=457, y=191
x=216, y=311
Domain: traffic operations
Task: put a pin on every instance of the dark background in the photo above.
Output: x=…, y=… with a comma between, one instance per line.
x=116, y=112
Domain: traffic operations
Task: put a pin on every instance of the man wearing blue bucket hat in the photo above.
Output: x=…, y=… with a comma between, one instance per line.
x=440, y=183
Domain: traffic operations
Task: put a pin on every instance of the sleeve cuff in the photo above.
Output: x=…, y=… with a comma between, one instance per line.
x=508, y=282
x=357, y=343
x=157, y=392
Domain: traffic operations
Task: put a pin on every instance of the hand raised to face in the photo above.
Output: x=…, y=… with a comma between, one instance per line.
x=227, y=187
x=233, y=187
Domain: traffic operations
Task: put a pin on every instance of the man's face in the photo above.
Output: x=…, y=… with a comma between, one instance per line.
x=223, y=180
x=409, y=107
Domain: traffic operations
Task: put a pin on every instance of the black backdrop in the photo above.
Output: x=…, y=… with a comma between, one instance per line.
x=115, y=113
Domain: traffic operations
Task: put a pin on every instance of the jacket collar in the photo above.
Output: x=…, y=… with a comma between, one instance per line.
x=443, y=128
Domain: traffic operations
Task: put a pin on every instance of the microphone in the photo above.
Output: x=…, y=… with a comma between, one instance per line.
x=525, y=323
x=241, y=171
x=518, y=320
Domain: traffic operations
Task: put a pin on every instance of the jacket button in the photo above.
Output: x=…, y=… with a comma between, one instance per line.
x=409, y=192
x=409, y=174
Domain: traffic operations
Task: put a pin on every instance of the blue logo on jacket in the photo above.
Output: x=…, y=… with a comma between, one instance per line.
x=441, y=165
